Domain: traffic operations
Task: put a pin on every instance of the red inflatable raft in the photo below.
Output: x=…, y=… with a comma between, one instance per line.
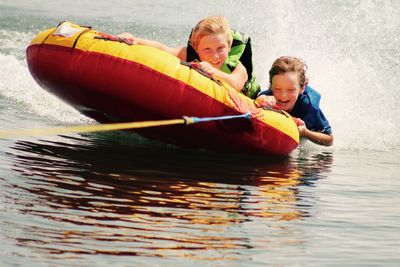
x=111, y=81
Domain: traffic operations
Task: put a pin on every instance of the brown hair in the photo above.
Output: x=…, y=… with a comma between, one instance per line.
x=289, y=64
x=211, y=25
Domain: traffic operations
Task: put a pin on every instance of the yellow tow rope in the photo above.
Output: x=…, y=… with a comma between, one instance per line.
x=86, y=128
x=112, y=126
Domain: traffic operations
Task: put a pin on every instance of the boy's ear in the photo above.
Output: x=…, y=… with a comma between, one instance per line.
x=302, y=89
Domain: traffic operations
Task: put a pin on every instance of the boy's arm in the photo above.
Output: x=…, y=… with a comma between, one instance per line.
x=316, y=137
x=236, y=79
x=179, y=52
x=267, y=101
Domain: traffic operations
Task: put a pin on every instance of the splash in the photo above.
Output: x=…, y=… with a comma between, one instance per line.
x=352, y=51
x=18, y=86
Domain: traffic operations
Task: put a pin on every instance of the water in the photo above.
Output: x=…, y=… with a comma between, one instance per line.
x=117, y=199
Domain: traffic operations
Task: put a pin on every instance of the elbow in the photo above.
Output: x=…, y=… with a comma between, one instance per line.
x=239, y=85
x=328, y=141
x=240, y=82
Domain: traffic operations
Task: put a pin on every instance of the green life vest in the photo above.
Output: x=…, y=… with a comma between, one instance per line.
x=240, y=51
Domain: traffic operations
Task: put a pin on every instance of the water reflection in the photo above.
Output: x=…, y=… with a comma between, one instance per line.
x=94, y=195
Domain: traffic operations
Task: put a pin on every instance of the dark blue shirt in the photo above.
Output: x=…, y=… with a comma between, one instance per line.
x=307, y=109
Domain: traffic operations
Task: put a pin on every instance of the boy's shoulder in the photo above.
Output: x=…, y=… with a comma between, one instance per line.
x=313, y=94
x=307, y=103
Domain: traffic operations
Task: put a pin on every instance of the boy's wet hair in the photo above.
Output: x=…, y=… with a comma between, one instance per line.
x=211, y=25
x=289, y=64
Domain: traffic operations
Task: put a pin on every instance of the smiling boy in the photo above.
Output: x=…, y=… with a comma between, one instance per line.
x=289, y=92
x=222, y=53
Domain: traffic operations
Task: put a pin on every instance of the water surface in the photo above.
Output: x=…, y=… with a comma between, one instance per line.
x=119, y=199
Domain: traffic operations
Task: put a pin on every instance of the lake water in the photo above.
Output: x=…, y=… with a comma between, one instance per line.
x=115, y=199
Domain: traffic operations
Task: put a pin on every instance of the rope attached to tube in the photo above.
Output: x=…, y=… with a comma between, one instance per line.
x=112, y=126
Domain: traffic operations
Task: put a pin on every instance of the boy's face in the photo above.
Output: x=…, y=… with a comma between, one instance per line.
x=286, y=89
x=214, y=49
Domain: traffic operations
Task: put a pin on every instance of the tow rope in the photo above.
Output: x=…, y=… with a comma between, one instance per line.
x=112, y=126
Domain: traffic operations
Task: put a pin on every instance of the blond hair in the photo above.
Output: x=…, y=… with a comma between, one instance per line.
x=208, y=26
x=289, y=64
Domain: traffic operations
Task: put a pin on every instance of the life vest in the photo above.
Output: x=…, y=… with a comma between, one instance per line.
x=240, y=51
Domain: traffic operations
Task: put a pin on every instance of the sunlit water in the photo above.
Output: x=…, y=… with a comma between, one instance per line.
x=116, y=199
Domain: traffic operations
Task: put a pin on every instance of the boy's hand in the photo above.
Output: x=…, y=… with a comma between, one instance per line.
x=302, y=126
x=265, y=101
x=128, y=38
x=207, y=68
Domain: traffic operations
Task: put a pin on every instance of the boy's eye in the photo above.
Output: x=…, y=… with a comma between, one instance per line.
x=220, y=49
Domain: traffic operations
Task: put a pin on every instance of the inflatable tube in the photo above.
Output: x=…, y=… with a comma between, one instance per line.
x=111, y=81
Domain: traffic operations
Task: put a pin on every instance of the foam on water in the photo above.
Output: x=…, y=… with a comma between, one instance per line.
x=18, y=86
